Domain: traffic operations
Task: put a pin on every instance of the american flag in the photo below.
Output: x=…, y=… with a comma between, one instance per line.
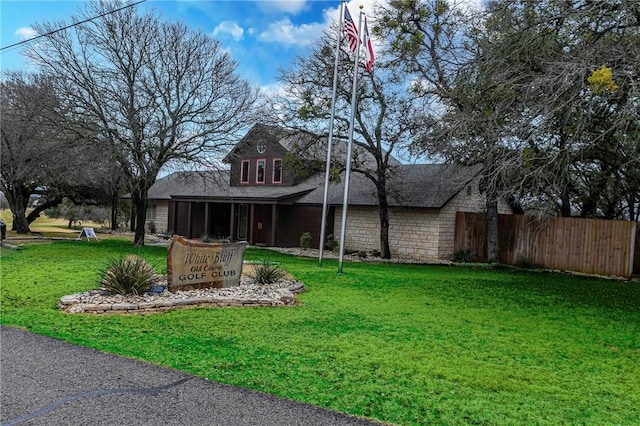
x=368, y=48
x=351, y=30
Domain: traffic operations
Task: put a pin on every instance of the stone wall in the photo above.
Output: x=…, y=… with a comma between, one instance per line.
x=162, y=216
x=413, y=233
x=427, y=235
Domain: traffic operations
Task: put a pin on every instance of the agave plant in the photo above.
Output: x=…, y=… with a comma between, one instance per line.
x=267, y=272
x=128, y=275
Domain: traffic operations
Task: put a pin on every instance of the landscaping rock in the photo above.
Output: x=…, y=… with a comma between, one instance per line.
x=281, y=293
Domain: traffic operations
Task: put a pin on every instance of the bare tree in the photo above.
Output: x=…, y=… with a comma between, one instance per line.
x=155, y=92
x=381, y=122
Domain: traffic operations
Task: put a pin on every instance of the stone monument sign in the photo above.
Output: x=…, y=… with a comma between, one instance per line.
x=193, y=264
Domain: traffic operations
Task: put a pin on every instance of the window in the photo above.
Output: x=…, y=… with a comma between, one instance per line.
x=260, y=164
x=277, y=170
x=244, y=172
x=151, y=210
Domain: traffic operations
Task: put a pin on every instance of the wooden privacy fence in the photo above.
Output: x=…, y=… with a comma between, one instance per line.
x=591, y=246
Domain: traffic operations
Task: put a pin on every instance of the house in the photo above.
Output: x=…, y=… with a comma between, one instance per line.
x=262, y=200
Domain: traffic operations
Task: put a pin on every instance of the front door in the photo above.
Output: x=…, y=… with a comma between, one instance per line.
x=261, y=221
x=243, y=221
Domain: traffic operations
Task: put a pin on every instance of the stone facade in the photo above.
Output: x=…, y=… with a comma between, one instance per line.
x=425, y=235
x=161, y=221
x=422, y=234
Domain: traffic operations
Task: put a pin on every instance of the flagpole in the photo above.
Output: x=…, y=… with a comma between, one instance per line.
x=329, y=145
x=354, y=93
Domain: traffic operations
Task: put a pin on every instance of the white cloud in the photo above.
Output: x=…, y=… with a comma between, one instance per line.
x=273, y=90
x=25, y=33
x=286, y=32
x=288, y=6
x=229, y=27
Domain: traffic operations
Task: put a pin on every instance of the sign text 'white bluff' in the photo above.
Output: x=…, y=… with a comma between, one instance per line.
x=193, y=264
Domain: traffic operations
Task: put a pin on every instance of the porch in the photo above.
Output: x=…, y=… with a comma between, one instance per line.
x=259, y=223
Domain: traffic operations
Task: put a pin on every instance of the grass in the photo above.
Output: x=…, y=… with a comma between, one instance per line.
x=404, y=344
x=50, y=227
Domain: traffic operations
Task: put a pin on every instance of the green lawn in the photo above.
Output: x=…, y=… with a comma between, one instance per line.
x=404, y=344
x=44, y=225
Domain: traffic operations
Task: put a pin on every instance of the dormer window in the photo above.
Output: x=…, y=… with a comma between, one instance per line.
x=244, y=172
x=260, y=171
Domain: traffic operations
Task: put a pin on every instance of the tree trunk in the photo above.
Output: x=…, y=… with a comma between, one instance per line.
x=114, y=211
x=383, y=210
x=20, y=224
x=385, y=251
x=493, y=249
x=42, y=206
x=565, y=207
x=140, y=201
x=18, y=199
x=132, y=216
x=114, y=218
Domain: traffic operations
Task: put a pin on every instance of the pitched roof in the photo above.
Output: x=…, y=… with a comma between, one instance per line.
x=417, y=185
x=411, y=185
x=214, y=185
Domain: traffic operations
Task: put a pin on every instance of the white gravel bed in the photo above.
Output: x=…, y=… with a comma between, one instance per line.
x=248, y=293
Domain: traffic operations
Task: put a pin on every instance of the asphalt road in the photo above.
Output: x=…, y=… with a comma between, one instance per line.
x=44, y=381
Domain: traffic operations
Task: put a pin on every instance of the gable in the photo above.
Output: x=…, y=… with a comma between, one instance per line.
x=259, y=141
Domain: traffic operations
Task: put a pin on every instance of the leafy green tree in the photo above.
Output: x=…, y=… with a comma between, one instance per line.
x=573, y=65
x=39, y=155
x=544, y=94
x=458, y=113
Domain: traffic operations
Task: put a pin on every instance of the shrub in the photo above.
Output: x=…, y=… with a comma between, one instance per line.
x=305, y=240
x=267, y=272
x=152, y=227
x=128, y=275
x=462, y=255
x=331, y=244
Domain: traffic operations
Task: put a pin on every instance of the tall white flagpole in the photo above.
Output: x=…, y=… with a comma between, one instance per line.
x=330, y=142
x=354, y=93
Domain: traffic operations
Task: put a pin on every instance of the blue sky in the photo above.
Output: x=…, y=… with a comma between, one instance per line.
x=261, y=35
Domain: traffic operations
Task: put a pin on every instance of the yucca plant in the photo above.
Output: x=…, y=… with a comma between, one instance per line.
x=128, y=275
x=267, y=272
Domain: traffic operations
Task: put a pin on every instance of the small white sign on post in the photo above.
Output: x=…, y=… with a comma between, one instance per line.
x=87, y=232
